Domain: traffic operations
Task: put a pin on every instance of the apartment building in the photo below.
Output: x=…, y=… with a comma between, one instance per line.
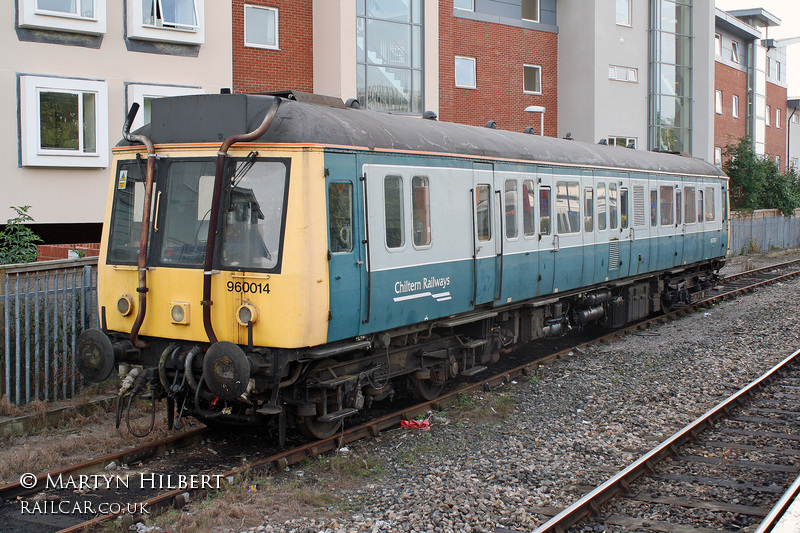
x=71, y=69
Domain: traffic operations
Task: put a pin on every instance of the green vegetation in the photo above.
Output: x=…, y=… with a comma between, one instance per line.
x=756, y=181
x=18, y=241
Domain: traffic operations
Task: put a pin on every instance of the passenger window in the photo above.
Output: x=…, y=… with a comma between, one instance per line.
x=653, y=208
x=393, y=211
x=689, y=205
x=568, y=207
x=623, y=201
x=613, y=210
x=511, y=209
x=710, y=208
x=678, y=206
x=544, y=211
x=528, y=203
x=667, y=209
x=588, y=210
x=724, y=204
x=340, y=217
x=421, y=210
x=483, y=201
x=700, y=205
x=601, y=206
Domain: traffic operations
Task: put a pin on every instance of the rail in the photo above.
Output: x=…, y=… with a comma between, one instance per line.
x=43, y=308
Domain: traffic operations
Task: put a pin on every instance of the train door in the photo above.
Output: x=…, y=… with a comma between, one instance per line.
x=486, y=238
x=665, y=242
x=712, y=220
x=600, y=251
x=639, y=228
x=547, y=238
x=625, y=231
x=692, y=235
x=568, y=249
x=701, y=219
x=589, y=235
x=680, y=237
x=347, y=264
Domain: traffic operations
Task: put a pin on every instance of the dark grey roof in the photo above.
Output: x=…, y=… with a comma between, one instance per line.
x=213, y=118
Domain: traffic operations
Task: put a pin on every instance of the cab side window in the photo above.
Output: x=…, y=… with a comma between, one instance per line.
x=340, y=217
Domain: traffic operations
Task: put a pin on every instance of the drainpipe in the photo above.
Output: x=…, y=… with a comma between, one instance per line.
x=143, y=240
x=215, y=207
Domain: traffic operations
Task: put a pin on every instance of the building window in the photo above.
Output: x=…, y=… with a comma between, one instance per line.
x=530, y=10
x=735, y=107
x=718, y=45
x=778, y=70
x=793, y=162
x=465, y=73
x=767, y=114
x=144, y=95
x=778, y=161
x=179, y=21
x=389, y=74
x=532, y=79
x=261, y=27
x=734, y=51
x=717, y=157
x=623, y=74
x=624, y=12
x=778, y=118
x=625, y=142
x=63, y=122
x=718, y=102
x=76, y=16
x=464, y=4
x=795, y=117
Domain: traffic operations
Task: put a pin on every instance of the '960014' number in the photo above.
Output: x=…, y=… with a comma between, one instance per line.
x=246, y=286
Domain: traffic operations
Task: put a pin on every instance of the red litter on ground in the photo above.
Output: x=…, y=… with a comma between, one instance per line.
x=416, y=424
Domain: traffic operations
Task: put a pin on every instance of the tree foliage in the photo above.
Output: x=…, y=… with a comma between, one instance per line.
x=756, y=181
x=18, y=241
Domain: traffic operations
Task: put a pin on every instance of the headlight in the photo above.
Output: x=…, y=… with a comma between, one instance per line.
x=125, y=305
x=179, y=312
x=246, y=313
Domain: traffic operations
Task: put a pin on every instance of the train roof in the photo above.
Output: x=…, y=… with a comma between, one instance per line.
x=214, y=117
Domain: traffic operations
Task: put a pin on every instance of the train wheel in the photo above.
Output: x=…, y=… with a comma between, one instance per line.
x=425, y=389
x=314, y=429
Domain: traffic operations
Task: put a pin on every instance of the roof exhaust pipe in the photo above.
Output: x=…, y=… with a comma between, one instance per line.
x=213, y=218
x=144, y=238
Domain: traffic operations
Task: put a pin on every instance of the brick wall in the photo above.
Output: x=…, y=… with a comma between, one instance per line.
x=49, y=252
x=727, y=129
x=291, y=67
x=500, y=53
x=776, y=133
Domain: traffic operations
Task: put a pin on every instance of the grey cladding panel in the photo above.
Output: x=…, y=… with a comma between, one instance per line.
x=548, y=9
x=501, y=8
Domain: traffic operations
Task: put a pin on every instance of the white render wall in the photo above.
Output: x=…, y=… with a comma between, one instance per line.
x=78, y=195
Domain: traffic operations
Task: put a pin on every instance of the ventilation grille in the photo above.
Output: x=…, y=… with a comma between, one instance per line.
x=613, y=254
x=638, y=205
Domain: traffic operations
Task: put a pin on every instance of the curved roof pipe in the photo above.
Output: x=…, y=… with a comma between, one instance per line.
x=215, y=207
x=145, y=235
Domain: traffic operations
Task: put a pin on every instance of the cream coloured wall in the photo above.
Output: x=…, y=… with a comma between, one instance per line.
x=59, y=195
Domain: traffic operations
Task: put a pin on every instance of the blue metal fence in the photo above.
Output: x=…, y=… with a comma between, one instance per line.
x=43, y=308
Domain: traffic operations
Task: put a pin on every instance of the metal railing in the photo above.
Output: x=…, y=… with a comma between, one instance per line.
x=763, y=230
x=43, y=308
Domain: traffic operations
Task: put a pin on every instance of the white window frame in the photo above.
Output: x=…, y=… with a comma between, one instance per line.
x=538, y=11
x=796, y=118
x=137, y=29
x=30, y=88
x=470, y=8
x=718, y=102
x=627, y=74
x=277, y=26
x=718, y=45
x=778, y=117
x=137, y=92
x=735, y=52
x=629, y=22
x=30, y=16
x=540, y=79
x=735, y=106
x=474, y=73
x=718, y=156
x=766, y=115
x=612, y=140
x=793, y=163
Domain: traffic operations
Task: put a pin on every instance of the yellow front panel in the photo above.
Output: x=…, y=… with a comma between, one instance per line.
x=292, y=305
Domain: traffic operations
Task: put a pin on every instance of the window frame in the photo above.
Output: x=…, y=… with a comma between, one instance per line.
x=718, y=102
x=718, y=156
x=629, y=17
x=474, y=72
x=766, y=116
x=537, y=67
x=30, y=89
x=30, y=16
x=735, y=58
x=426, y=211
x=631, y=73
x=735, y=106
x=511, y=236
x=137, y=92
x=402, y=215
x=276, y=46
x=538, y=10
x=471, y=8
x=778, y=117
x=137, y=29
x=718, y=45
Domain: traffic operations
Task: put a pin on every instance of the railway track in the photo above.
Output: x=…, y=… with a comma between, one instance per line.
x=152, y=500
x=726, y=471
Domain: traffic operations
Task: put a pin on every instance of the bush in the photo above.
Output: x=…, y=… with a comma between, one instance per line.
x=18, y=241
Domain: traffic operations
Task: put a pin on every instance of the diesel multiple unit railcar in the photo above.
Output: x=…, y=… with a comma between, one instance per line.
x=286, y=261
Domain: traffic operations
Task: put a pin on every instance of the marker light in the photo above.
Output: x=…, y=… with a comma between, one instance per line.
x=246, y=313
x=125, y=305
x=179, y=312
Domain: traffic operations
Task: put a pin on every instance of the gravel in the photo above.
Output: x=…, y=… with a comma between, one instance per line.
x=581, y=419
